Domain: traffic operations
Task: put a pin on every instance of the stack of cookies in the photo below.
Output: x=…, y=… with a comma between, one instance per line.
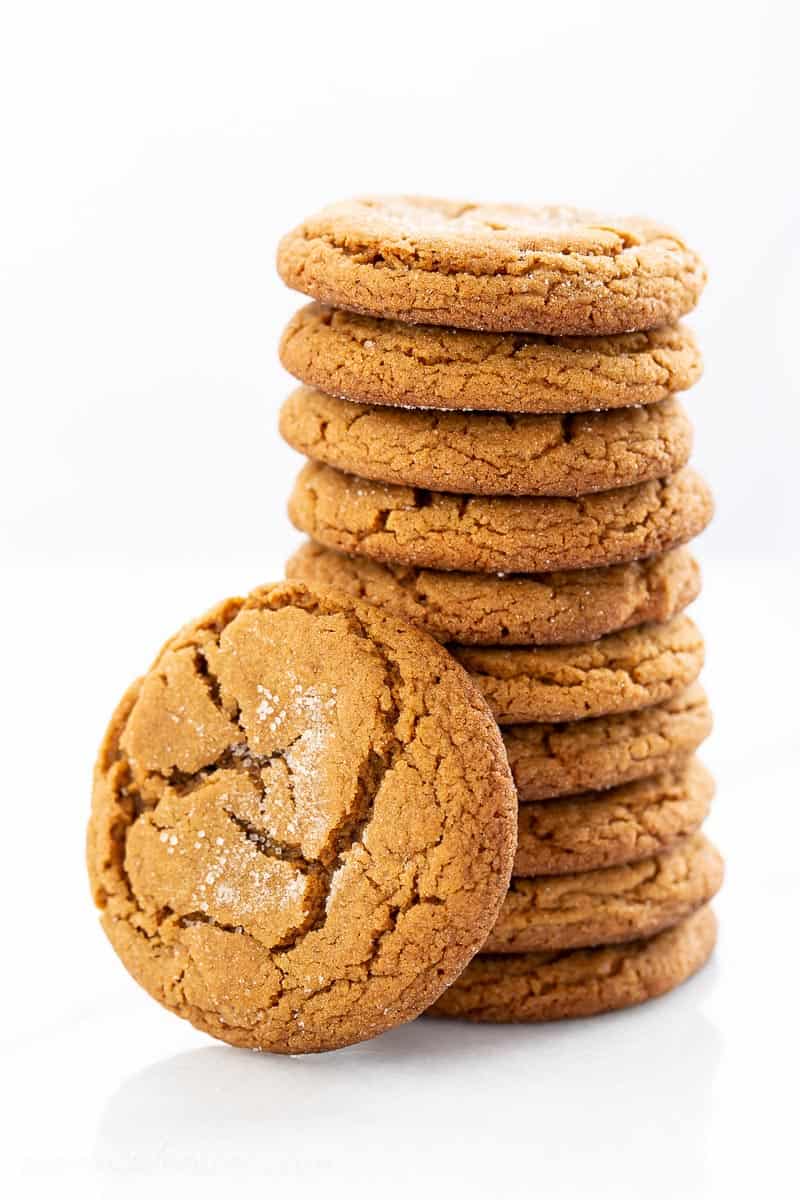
x=497, y=454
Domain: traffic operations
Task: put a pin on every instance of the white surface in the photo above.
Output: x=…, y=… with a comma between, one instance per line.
x=152, y=155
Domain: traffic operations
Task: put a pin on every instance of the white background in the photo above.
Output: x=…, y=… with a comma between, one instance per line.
x=151, y=155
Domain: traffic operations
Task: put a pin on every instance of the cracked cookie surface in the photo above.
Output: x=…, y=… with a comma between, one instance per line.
x=555, y=608
x=549, y=760
x=612, y=904
x=450, y=532
x=303, y=822
x=490, y=454
x=620, y=825
x=579, y=983
x=377, y=361
x=621, y=672
x=550, y=269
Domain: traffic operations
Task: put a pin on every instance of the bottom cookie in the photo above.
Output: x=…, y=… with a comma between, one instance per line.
x=579, y=983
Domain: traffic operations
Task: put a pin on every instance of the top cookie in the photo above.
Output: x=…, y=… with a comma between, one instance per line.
x=303, y=822
x=550, y=269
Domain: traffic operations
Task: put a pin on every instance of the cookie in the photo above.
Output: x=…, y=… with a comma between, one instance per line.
x=490, y=454
x=549, y=760
x=516, y=610
x=621, y=825
x=549, y=269
x=303, y=822
x=618, y=673
x=497, y=533
x=425, y=366
x=613, y=904
x=579, y=983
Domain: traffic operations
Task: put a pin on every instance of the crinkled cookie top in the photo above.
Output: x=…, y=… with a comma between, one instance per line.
x=303, y=822
x=544, y=269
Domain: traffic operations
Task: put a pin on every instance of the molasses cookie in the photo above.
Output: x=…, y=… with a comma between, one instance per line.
x=621, y=825
x=579, y=983
x=613, y=904
x=497, y=533
x=303, y=823
x=579, y=756
x=490, y=454
x=618, y=673
x=549, y=269
x=475, y=609
x=426, y=366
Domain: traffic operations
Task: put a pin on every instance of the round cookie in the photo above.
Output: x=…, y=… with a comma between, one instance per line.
x=618, y=673
x=550, y=760
x=474, y=609
x=303, y=822
x=621, y=825
x=549, y=269
x=490, y=454
x=579, y=983
x=376, y=361
x=497, y=533
x=613, y=904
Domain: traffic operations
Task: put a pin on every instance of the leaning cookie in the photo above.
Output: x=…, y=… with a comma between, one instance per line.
x=497, y=533
x=548, y=269
x=303, y=822
x=579, y=983
x=623, y=824
x=426, y=366
x=552, y=608
x=490, y=454
x=617, y=673
x=613, y=904
x=549, y=760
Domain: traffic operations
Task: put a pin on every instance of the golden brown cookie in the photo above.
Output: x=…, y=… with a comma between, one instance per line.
x=549, y=269
x=618, y=673
x=490, y=454
x=497, y=533
x=516, y=610
x=579, y=983
x=603, y=752
x=425, y=366
x=621, y=825
x=303, y=822
x=613, y=904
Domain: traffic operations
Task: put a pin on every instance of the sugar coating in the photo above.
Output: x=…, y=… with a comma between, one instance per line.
x=329, y=851
x=549, y=269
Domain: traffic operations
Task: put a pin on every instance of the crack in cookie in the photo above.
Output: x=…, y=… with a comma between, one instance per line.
x=549, y=269
x=303, y=822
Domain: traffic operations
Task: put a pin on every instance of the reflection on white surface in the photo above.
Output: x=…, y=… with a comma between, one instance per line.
x=574, y=1096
